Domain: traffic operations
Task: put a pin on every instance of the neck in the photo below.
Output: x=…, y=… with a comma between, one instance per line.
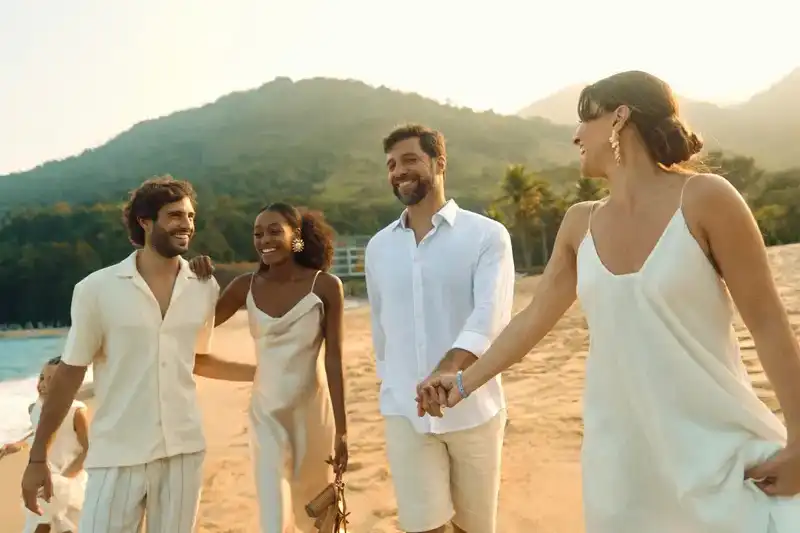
x=150, y=262
x=283, y=271
x=423, y=212
x=628, y=181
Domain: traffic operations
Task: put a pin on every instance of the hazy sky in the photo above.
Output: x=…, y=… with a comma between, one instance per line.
x=75, y=73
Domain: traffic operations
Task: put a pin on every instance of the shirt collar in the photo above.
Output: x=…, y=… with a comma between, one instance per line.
x=447, y=213
x=127, y=267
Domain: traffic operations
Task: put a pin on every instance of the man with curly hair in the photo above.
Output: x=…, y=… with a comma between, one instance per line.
x=146, y=325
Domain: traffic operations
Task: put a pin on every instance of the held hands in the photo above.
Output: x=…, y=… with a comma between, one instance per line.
x=202, y=266
x=780, y=474
x=438, y=390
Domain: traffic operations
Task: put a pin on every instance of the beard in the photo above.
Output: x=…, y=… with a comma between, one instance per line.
x=161, y=241
x=414, y=193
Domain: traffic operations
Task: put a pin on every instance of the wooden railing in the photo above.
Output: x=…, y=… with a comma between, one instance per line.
x=348, y=257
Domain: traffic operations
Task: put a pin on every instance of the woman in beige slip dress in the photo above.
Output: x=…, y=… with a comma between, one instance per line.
x=675, y=438
x=297, y=409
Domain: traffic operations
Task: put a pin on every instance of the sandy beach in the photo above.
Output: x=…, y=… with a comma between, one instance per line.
x=541, y=487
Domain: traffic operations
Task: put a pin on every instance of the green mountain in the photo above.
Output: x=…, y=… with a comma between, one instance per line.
x=316, y=141
x=765, y=127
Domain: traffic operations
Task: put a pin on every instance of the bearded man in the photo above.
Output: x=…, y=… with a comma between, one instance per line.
x=146, y=325
x=441, y=283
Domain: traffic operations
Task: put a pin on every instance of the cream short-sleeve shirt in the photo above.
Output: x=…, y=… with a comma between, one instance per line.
x=146, y=404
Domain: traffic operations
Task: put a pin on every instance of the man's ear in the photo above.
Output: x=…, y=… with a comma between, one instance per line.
x=441, y=165
x=146, y=224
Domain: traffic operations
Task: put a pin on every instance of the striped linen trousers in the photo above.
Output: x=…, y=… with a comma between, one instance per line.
x=164, y=492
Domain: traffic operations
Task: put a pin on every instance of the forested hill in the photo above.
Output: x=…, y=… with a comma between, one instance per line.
x=317, y=141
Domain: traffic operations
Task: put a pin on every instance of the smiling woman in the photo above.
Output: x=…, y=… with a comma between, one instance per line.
x=293, y=305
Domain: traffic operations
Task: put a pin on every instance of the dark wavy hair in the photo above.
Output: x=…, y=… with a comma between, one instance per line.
x=148, y=199
x=654, y=113
x=317, y=235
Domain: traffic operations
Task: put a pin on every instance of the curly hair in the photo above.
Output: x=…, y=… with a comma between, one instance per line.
x=147, y=200
x=317, y=235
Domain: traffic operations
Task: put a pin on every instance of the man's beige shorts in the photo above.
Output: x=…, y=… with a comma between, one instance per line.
x=451, y=476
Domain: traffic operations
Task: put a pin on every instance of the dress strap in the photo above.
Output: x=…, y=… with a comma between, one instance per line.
x=313, y=283
x=683, y=189
x=591, y=214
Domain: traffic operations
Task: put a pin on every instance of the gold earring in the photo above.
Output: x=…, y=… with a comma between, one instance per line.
x=614, y=140
x=298, y=245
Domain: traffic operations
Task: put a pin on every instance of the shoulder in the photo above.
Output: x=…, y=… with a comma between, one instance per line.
x=575, y=223
x=96, y=279
x=709, y=188
x=382, y=236
x=710, y=198
x=242, y=282
x=329, y=287
x=472, y=220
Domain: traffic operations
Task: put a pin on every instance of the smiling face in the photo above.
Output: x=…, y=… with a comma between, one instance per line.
x=172, y=230
x=45, y=377
x=593, y=140
x=412, y=172
x=272, y=237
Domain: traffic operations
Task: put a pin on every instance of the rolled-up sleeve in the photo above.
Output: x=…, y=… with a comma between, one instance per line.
x=493, y=293
x=85, y=336
x=373, y=295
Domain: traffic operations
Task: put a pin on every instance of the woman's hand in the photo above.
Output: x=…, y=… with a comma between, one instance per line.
x=340, y=454
x=202, y=266
x=780, y=474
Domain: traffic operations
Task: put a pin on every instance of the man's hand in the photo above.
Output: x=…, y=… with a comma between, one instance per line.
x=35, y=480
x=202, y=266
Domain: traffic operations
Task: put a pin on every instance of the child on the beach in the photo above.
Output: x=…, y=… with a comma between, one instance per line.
x=67, y=452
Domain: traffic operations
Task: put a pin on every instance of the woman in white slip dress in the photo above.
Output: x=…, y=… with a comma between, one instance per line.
x=65, y=456
x=297, y=409
x=675, y=438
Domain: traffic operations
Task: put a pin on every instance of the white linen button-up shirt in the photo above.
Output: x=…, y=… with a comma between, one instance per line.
x=453, y=290
x=146, y=404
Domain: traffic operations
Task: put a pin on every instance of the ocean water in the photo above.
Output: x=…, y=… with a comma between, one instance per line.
x=21, y=359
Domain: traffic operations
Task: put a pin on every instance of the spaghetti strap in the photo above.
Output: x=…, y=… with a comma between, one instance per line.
x=314, y=283
x=252, y=278
x=683, y=188
x=591, y=212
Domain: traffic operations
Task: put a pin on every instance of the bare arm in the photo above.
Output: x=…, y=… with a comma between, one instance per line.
x=84, y=340
x=232, y=299
x=80, y=424
x=555, y=293
x=207, y=364
x=738, y=250
x=330, y=288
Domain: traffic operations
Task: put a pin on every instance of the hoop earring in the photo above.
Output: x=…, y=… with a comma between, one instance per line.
x=614, y=140
x=298, y=245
